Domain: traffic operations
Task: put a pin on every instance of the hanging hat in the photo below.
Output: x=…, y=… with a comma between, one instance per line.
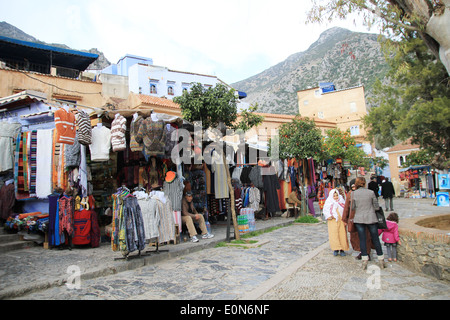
x=170, y=176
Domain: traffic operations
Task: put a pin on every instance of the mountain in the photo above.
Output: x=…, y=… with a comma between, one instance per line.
x=346, y=58
x=10, y=31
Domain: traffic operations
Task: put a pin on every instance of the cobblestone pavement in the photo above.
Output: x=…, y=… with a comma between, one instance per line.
x=293, y=262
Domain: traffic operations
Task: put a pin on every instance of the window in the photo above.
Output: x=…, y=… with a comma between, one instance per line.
x=305, y=103
x=320, y=115
x=354, y=130
x=185, y=87
x=170, y=88
x=352, y=106
x=153, y=86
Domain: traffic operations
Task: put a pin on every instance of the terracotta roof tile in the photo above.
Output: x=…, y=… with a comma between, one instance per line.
x=156, y=101
x=406, y=145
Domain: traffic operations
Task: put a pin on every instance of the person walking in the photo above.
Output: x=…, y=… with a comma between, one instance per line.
x=390, y=236
x=365, y=204
x=332, y=211
x=388, y=192
x=373, y=185
x=349, y=214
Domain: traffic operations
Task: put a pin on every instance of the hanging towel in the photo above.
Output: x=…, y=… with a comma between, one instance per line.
x=44, y=163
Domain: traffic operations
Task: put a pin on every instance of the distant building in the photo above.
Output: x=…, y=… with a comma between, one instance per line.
x=345, y=107
x=398, y=154
x=157, y=81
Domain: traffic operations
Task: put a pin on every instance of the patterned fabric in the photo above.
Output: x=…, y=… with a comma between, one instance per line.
x=84, y=128
x=135, y=234
x=134, y=128
x=153, y=135
x=66, y=215
x=33, y=162
x=118, y=129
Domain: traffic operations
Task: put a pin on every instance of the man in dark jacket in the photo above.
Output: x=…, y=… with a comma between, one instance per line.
x=388, y=192
x=373, y=185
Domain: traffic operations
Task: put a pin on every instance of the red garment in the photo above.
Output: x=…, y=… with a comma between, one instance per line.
x=82, y=227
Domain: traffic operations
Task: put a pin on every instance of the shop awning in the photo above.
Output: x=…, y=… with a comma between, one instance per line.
x=415, y=168
x=21, y=98
x=14, y=49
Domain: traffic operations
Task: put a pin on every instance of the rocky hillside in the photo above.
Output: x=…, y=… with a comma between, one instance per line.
x=10, y=31
x=340, y=56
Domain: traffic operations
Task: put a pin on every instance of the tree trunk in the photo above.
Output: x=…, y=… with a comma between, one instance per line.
x=437, y=26
x=232, y=201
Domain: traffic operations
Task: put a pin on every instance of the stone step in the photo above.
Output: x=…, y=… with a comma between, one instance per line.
x=15, y=245
x=9, y=237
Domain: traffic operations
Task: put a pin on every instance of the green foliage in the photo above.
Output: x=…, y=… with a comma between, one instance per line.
x=415, y=158
x=249, y=119
x=307, y=219
x=340, y=144
x=415, y=104
x=300, y=139
x=211, y=106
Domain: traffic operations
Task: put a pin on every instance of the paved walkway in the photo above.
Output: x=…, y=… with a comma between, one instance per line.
x=294, y=262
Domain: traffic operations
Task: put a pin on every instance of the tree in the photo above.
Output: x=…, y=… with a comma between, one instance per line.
x=213, y=106
x=300, y=139
x=340, y=144
x=430, y=19
x=249, y=119
x=413, y=102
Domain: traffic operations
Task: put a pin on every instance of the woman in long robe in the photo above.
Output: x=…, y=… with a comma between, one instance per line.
x=332, y=211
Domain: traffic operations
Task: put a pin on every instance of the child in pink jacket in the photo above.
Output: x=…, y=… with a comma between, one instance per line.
x=390, y=236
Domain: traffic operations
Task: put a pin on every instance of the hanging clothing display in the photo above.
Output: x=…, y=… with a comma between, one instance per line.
x=174, y=191
x=65, y=126
x=8, y=133
x=128, y=233
x=7, y=200
x=150, y=214
x=220, y=176
x=84, y=128
x=271, y=185
x=118, y=129
x=101, y=143
x=65, y=215
x=134, y=128
x=153, y=136
x=44, y=166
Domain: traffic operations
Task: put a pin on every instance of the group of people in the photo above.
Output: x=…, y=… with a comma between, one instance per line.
x=355, y=213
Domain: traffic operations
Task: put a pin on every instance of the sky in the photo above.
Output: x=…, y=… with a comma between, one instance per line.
x=230, y=39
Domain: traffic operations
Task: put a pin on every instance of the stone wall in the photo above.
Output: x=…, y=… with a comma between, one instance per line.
x=424, y=249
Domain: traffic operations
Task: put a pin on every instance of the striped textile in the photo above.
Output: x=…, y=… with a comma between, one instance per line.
x=33, y=162
x=118, y=129
x=84, y=128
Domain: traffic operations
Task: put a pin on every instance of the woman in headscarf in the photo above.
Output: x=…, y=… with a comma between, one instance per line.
x=332, y=211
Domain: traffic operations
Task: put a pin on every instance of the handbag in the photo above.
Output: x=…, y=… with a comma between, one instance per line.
x=312, y=195
x=350, y=223
x=381, y=219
